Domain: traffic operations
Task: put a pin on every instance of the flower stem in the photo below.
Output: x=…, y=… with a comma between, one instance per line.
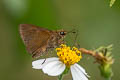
x=107, y=79
x=60, y=77
x=65, y=72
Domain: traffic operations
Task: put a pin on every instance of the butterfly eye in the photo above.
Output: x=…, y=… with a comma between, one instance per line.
x=62, y=33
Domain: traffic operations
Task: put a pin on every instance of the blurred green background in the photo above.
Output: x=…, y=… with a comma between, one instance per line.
x=98, y=24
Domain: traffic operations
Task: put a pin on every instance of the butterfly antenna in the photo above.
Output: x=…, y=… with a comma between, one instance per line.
x=72, y=31
x=75, y=39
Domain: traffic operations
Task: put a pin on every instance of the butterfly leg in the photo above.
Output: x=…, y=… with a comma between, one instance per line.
x=44, y=61
x=61, y=42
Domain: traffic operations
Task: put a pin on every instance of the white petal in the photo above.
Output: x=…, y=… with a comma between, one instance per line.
x=82, y=69
x=78, y=73
x=74, y=75
x=38, y=64
x=54, y=68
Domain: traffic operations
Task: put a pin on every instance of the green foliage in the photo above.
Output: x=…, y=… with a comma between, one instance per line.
x=112, y=2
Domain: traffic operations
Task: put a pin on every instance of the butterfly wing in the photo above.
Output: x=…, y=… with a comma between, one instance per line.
x=35, y=38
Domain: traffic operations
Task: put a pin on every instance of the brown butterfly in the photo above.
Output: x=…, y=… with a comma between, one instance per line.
x=39, y=40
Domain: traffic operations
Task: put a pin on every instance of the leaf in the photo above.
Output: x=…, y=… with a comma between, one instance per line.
x=112, y=2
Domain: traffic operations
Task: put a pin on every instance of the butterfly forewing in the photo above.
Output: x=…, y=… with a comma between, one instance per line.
x=35, y=38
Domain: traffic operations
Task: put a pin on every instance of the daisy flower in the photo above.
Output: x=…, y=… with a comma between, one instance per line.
x=67, y=59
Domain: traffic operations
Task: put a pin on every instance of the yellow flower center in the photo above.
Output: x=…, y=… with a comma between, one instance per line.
x=68, y=56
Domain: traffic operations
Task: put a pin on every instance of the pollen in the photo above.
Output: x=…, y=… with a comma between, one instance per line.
x=67, y=55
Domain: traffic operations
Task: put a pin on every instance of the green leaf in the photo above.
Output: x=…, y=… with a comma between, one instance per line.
x=112, y=2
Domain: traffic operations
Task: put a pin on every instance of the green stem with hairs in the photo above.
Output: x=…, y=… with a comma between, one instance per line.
x=108, y=78
x=65, y=72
